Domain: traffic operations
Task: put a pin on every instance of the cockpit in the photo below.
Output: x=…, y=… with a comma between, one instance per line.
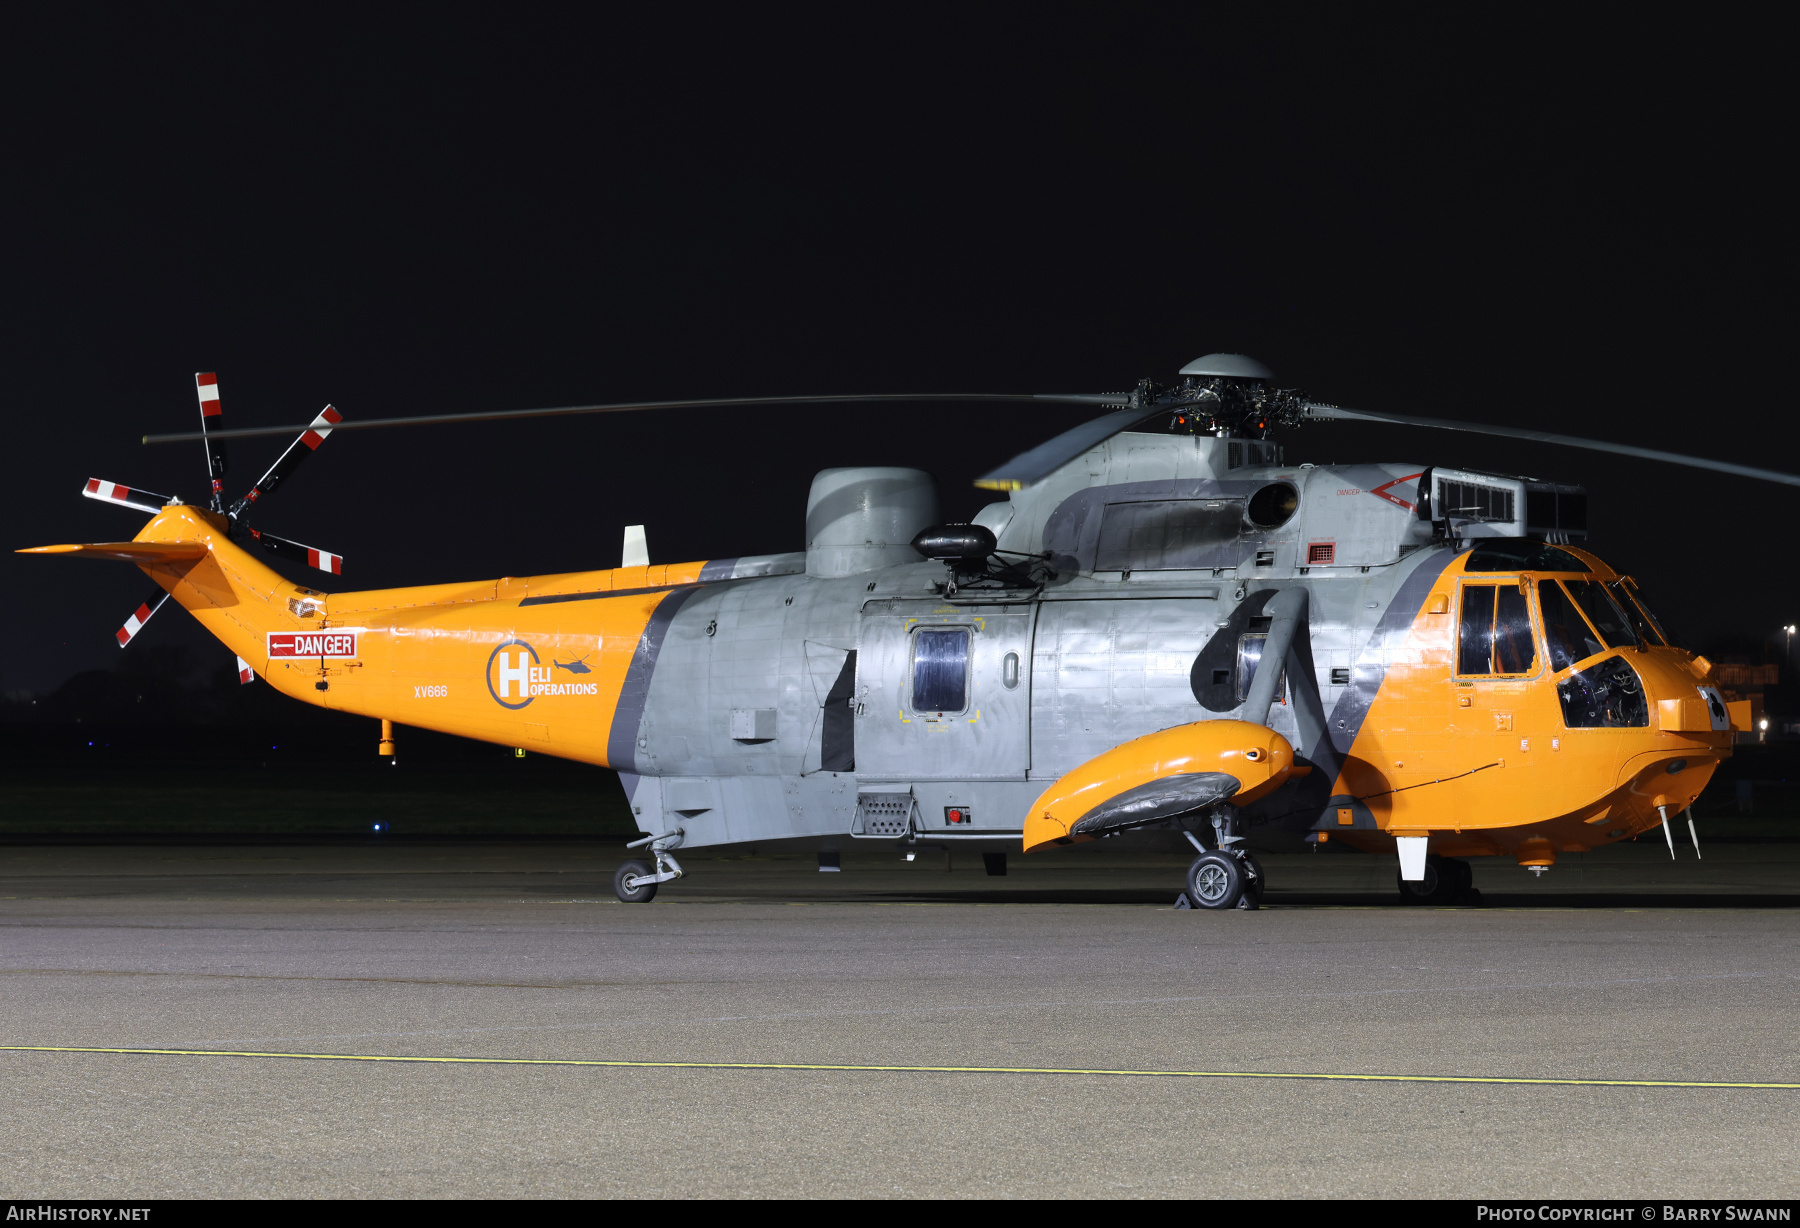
x=1585, y=612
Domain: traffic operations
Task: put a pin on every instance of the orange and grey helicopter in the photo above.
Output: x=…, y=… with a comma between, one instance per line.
x=1163, y=624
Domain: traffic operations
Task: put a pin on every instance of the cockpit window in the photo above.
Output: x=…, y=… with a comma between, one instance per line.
x=1520, y=554
x=1515, y=649
x=1565, y=631
x=1605, y=696
x=1494, y=636
x=1625, y=593
x=1608, y=619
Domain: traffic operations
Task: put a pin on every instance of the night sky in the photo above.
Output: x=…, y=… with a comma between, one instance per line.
x=1574, y=229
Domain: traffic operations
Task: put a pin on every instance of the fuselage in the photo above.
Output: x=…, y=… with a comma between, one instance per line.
x=754, y=700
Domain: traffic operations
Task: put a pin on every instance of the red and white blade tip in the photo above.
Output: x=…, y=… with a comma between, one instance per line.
x=321, y=427
x=324, y=560
x=134, y=624
x=206, y=384
x=245, y=673
x=124, y=496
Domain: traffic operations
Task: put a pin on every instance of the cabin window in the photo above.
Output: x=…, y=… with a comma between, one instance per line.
x=1605, y=696
x=1249, y=656
x=1565, y=631
x=940, y=669
x=1608, y=619
x=1495, y=633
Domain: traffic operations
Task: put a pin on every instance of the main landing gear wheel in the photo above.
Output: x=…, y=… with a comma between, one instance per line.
x=643, y=893
x=1445, y=879
x=1216, y=880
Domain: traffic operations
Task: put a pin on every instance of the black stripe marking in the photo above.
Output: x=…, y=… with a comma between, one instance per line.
x=1370, y=669
x=617, y=592
x=628, y=716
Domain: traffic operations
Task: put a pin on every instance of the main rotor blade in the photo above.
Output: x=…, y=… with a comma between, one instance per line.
x=363, y=424
x=284, y=466
x=1051, y=455
x=1317, y=410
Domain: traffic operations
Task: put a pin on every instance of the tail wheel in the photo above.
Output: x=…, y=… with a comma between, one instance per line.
x=1215, y=880
x=641, y=893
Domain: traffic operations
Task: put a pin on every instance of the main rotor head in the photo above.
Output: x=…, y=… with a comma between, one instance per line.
x=1230, y=395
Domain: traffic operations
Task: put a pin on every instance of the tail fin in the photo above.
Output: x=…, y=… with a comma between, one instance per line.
x=235, y=596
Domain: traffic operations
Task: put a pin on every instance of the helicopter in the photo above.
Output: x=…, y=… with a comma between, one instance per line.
x=1161, y=625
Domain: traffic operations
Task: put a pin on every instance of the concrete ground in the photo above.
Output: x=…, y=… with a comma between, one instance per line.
x=1616, y=965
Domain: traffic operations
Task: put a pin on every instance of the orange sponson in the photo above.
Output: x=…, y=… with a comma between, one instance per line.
x=1260, y=759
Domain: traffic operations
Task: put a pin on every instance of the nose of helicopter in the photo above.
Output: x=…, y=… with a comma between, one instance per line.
x=1688, y=732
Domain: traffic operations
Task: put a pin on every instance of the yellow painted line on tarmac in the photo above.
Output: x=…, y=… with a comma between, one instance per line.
x=890, y=1069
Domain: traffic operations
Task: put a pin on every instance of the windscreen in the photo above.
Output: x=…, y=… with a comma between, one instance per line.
x=1603, y=612
x=1649, y=628
x=1565, y=631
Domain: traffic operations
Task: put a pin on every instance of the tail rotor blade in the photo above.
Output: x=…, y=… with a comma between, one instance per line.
x=140, y=616
x=206, y=386
x=125, y=496
x=290, y=460
x=294, y=552
x=246, y=675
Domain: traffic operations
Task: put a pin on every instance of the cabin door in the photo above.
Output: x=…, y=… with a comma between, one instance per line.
x=944, y=692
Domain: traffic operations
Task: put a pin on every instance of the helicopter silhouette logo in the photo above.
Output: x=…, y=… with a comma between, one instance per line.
x=517, y=685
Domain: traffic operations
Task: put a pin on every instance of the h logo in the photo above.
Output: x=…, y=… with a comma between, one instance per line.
x=502, y=673
x=509, y=675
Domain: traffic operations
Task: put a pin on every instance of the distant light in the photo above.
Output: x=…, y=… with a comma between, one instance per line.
x=1764, y=725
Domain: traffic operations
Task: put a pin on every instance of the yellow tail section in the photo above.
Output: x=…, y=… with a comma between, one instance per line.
x=541, y=662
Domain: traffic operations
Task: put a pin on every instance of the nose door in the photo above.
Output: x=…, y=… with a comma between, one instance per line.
x=943, y=693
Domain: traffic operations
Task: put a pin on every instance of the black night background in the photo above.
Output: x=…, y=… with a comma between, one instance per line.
x=407, y=214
